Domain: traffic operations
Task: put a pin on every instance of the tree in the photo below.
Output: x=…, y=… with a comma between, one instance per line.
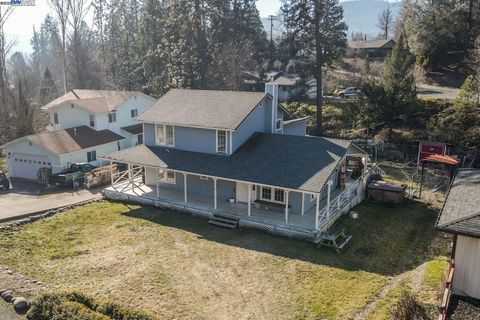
x=48, y=89
x=385, y=22
x=391, y=101
x=62, y=9
x=315, y=28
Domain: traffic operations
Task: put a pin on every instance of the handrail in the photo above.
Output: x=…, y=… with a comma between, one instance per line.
x=447, y=295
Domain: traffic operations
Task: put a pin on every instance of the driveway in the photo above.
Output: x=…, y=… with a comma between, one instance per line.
x=435, y=92
x=23, y=200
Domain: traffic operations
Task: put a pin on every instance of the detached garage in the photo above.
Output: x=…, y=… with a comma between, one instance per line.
x=56, y=150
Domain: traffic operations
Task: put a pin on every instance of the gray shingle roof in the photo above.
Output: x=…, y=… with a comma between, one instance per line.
x=203, y=108
x=294, y=162
x=372, y=44
x=134, y=129
x=94, y=101
x=73, y=139
x=461, y=211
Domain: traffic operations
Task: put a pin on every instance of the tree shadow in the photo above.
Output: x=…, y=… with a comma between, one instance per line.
x=386, y=240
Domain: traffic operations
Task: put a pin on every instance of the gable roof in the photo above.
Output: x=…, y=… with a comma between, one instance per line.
x=287, y=80
x=372, y=44
x=461, y=211
x=94, y=101
x=74, y=139
x=294, y=162
x=224, y=110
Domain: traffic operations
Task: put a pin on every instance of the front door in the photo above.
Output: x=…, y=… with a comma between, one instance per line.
x=242, y=192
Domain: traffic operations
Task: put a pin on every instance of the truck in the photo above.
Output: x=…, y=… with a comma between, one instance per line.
x=74, y=176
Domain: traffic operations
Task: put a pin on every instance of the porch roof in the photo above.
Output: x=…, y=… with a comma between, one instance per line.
x=293, y=162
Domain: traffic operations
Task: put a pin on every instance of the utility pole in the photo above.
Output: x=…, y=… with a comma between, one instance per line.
x=272, y=17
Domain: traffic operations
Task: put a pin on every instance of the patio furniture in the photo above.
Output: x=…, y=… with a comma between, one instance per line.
x=335, y=238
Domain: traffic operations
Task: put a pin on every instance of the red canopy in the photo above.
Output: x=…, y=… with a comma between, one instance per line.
x=441, y=159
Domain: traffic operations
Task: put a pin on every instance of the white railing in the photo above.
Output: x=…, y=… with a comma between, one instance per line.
x=350, y=197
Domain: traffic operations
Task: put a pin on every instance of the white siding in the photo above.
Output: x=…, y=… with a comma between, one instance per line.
x=69, y=117
x=81, y=156
x=467, y=267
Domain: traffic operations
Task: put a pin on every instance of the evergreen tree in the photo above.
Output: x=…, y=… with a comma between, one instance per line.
x=48, y=89
x=315, y=28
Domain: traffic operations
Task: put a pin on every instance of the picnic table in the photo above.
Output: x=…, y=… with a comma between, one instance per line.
x=335, y=238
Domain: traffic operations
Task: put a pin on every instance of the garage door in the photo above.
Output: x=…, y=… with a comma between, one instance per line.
x=26, y=165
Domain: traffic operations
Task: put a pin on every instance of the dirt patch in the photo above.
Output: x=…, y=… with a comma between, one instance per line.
x=19, y=284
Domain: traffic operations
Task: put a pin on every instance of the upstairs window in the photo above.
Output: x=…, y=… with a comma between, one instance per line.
x=92, y=120
x=221, y=141
x=91, y=156
x=134, y=113
x=165, y=135
x=112, y=117
x=55, y=118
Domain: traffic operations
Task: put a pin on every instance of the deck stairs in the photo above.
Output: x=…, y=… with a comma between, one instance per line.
x=224, y=221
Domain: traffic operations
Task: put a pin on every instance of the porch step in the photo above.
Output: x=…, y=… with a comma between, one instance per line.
x=224, y=221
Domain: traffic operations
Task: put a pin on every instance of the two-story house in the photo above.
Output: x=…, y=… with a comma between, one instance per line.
x=87, y=124
x=230, y=153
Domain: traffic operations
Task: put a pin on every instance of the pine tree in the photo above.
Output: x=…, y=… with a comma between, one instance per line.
x=48, y=89
x=315, y=28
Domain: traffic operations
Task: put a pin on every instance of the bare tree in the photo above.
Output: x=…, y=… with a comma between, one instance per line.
x=62, y=9
x=4, y=48
x=385, y=22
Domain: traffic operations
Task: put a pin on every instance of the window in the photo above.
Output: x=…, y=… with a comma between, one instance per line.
x=272, y=195
x=55, y=118
x=279, y=195
x=112, y=117
x=140, y=139
x=165, y=135
x=167, y=176
x=92, y=120
x=221, y=141
x=118, y=146
x=91, y=156
x=279, y=124
x=134, y=113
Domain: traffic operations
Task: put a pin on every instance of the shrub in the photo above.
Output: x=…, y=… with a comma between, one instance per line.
x=75, y=305
x=408, y=308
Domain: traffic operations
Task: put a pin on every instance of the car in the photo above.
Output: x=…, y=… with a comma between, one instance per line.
x=74, y=176
x=4, y=182
x=349, y=92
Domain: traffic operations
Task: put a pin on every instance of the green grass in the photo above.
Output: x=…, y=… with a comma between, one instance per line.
x=435, y=273
x=181, y=267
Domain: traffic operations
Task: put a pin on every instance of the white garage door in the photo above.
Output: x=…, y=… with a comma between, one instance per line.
x=26, y=165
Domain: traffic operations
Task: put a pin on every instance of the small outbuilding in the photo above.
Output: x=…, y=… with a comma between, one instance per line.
x=371, y=48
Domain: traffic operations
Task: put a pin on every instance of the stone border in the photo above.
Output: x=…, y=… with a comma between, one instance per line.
x=47, y=214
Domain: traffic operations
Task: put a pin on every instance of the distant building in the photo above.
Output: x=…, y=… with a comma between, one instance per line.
x=371, y=48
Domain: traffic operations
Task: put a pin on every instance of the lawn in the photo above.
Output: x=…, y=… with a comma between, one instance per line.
x=180, y=267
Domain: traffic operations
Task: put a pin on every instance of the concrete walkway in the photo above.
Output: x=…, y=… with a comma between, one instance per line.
x=23, y=200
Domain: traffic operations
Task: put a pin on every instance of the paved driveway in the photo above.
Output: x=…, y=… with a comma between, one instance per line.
x=23, y=199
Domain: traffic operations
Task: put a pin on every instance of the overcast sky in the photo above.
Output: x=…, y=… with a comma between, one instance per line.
x=20, y=25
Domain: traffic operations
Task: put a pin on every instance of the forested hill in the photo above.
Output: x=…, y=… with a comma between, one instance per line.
x=361, y=16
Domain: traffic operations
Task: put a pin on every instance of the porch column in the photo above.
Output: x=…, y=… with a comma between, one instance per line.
x=286, y=206
x=328, y=198
x=158, y=191
x=317, y=212
x=303, y=204
x=215, y=194
x=185, y=187
x=249, y=200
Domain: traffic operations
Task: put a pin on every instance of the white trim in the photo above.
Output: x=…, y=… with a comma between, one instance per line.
x=215, y=194
x=317, y=212
x=249, y=200
x=227, y=145
x=231, y=141
x=185, y=125
x=286, y=205
x=303, y=203
x=165, y=176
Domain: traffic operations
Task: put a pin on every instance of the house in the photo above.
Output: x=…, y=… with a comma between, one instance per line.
x=371, y=48
x=86, y=124
x=231, y=155
x=460, y=216
x=287, y=86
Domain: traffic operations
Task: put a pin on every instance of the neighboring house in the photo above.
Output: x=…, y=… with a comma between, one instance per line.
x=86, y=124
x=101, y=110
x=287, y=86
x=231, y=153
x=58, y=149
x=371, y=48
x=460, y=216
